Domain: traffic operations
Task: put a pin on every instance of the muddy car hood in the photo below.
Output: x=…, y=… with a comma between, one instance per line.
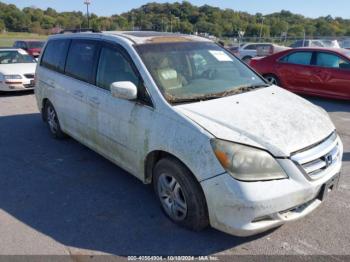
x=269, y=118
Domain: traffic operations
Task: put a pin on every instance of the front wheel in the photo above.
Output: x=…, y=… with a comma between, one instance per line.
x=180, y=194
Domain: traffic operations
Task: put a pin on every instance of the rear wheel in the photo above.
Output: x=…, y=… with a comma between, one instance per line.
x=272, y=79
x=180, y=194
x=52, y=121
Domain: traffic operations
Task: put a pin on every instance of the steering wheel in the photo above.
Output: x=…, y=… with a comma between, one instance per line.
x=210, y=73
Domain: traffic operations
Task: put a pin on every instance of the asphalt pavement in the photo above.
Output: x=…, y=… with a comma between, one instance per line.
x=59, y=197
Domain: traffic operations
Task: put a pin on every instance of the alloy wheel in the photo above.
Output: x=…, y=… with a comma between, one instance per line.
x=52, y=119
x=172, y=197
x=272, y=80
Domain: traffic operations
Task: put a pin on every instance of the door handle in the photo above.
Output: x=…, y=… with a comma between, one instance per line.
x=78, y=94
x=51, y=83
x=94, y=100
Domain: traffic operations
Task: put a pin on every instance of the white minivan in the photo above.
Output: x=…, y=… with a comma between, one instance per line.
x=219, y=144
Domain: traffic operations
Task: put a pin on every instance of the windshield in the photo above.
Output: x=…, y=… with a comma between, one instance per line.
x=15, y=57
x=196, y=71
x=36, y=44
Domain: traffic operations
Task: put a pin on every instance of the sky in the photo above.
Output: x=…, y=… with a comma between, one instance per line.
x=309, y=8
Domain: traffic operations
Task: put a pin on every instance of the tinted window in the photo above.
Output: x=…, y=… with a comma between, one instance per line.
x=299, y=58
x=250, y=47
x=113, y=67
x=331, y=61
x=55, y=55
x=36, y=44
x=80, y=60
x=297, y=44
x=23, y=45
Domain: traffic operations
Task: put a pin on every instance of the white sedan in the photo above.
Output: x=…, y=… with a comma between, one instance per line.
x=17, y=70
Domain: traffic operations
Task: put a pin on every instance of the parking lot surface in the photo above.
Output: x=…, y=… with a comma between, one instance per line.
x=59, y=197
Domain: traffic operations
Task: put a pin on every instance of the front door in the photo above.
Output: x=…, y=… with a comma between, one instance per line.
x=295, y=70
x=333, y=72
x=122, y=126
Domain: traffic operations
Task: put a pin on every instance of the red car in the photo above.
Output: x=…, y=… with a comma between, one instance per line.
x=33, y=47
x=321, y=72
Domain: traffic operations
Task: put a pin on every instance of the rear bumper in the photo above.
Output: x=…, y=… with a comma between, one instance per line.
x=248, y=208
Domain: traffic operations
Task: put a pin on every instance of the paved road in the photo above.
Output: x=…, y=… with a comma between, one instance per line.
x=59, y=197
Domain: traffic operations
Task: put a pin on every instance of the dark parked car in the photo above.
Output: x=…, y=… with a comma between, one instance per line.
x=33, y=47
x=314, y=71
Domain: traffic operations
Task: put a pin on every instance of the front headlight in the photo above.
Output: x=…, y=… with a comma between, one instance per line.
x=8, y=77
x=247, y=163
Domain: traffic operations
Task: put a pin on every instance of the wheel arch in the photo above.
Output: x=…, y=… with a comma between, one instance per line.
x=43, y=105
x=153, y=157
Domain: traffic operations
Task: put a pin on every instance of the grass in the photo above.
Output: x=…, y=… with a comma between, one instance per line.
x=7, y=39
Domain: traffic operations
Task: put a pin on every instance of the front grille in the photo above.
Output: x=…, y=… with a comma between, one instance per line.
x=29, y=76
x=315, y=160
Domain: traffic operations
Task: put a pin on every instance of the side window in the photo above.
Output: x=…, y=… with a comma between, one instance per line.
x=55, y=55
x=15, y=44
x=250, y=47
x=316, y=44
x=113, y=67
x=81, y=59
x=24, y=46
x=331, y=61
x=299, y=58
x=298, y=43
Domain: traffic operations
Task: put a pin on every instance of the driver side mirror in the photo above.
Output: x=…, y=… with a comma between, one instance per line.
x=344, y=66
x=124, y=90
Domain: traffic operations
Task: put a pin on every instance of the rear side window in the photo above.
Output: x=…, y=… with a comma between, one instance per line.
x=250, y=47
x=55, y=55
x=331, y=61
x=81, y=60
x=299, y=43
x=299, y=58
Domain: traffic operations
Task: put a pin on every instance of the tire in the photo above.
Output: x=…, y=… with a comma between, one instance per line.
x=180, y=195
x=53, y=122
x=247, y=59
x=272, y=79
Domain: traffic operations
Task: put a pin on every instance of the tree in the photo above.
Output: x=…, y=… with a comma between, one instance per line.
x=183, y=17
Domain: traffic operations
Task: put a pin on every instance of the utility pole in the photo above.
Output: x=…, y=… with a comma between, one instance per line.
x=262, y=24
x=87, y=3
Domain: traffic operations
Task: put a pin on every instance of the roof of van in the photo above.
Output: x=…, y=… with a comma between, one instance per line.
x=145, y=37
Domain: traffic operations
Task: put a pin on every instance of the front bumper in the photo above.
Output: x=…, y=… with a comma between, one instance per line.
x=248, y=208
x=21, y=85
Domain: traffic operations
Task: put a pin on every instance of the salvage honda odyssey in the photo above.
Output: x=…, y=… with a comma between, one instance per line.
x=220, y=145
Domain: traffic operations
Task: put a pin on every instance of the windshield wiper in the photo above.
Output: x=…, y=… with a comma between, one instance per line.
x=235, y=91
